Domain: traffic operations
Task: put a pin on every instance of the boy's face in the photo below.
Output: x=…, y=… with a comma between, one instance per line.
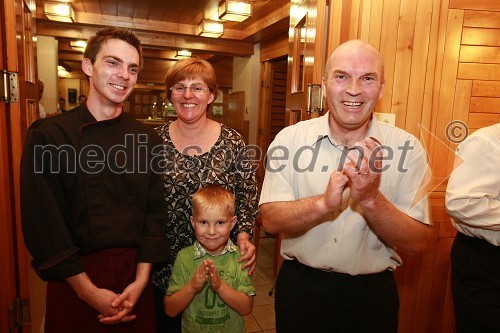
x=212, y=228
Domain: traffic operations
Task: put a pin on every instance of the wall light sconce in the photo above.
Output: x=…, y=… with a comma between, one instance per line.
x=78, y=45
x=315, y=99
x=62, y=72
x=237, y=11
x=59, y=11
x=183, y=54
x=208, y=28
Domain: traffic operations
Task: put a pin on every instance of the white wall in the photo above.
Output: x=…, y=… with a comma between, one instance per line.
x=46, y=52
x=64, y=85
x=246, y=78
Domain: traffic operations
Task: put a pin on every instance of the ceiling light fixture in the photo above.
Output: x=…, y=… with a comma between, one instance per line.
x=237, y=11
x=59, y=11
x=62, y=72
x=78, y=45
x=183, y=54
x=208, y=28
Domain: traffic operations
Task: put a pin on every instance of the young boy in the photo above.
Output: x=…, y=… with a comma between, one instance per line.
x=207, y=281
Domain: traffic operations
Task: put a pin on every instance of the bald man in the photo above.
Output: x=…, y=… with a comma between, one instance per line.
x=343, y=194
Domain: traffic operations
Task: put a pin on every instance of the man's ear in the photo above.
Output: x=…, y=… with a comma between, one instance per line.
x=381, y=90
x=87, y=67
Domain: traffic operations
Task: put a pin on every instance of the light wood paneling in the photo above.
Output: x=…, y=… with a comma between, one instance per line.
x=376, y=14
x=387, y=48
x=480, y=36
x=404, y=53
x=485, y=105
x=478, y=71
x=482, y=54
x=274, y=48
x=481, y=19
x=461, y=107
x=447, y=92
x=488, y=5
x=486, y=88
x=418, y=69
x=479, y=120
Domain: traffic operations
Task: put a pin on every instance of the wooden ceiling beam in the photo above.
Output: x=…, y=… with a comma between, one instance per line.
x=67, y=56
x=149, y=25
x=275, y=17
x=150, y=39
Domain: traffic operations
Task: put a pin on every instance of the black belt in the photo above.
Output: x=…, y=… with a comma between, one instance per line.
x=342, y=278
x=478, y=243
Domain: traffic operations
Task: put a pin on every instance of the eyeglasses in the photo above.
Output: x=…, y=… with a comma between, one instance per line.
x=196, y=89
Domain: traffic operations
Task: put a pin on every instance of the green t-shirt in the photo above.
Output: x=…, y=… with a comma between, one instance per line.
x=207, y=312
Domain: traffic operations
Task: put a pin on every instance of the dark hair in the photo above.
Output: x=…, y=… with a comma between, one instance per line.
x=192, y=68
x=95, y=42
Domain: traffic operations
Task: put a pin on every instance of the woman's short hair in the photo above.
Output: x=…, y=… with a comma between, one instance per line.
x=192, y=68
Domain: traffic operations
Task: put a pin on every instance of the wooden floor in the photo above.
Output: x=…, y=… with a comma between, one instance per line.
x=262, y=317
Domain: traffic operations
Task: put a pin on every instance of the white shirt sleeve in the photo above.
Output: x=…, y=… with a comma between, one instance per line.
x=41, y=111
x=472, y=196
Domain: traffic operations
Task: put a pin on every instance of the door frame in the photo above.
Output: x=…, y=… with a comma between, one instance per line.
x=18, y=18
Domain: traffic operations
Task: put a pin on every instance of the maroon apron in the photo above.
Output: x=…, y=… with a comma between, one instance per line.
x=112, y=269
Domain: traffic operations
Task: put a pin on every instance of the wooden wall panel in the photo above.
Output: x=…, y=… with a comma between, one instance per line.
x=389, y=24
x=478, y=120
x=356, y=14
x=485, y=105
x=418, y=70
x=488, y=5
x=486, y=88
x=275, y=48
x=480, y=36
x=433, y=67
x=482, y=19
x=376, y=14
x=364, y=24
x=439, y=146
x=482, y=54
x=404, y=53
x=461, y=107
x=478, y=71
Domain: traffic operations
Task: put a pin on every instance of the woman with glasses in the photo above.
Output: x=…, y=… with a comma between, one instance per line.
x=200, y=151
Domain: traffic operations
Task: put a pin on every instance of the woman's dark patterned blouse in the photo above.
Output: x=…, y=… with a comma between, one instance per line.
x=227, y=164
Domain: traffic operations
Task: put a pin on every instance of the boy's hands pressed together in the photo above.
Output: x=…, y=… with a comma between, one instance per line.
x=199, y=277
x=213, y=276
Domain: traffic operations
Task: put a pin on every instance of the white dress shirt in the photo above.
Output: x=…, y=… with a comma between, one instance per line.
x=473, y=192
x=300, y=161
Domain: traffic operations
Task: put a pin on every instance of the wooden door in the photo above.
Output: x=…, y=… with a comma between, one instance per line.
x=306, y=56
x=17, y=56
x=272, y=106
x=236, y=111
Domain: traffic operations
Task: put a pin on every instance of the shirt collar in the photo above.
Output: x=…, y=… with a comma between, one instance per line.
x=200, y=251
x=323, y=130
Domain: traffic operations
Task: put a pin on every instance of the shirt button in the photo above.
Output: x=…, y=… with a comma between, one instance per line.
x=335, y=240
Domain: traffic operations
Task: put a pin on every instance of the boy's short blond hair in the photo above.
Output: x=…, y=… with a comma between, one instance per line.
x=213, y=196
